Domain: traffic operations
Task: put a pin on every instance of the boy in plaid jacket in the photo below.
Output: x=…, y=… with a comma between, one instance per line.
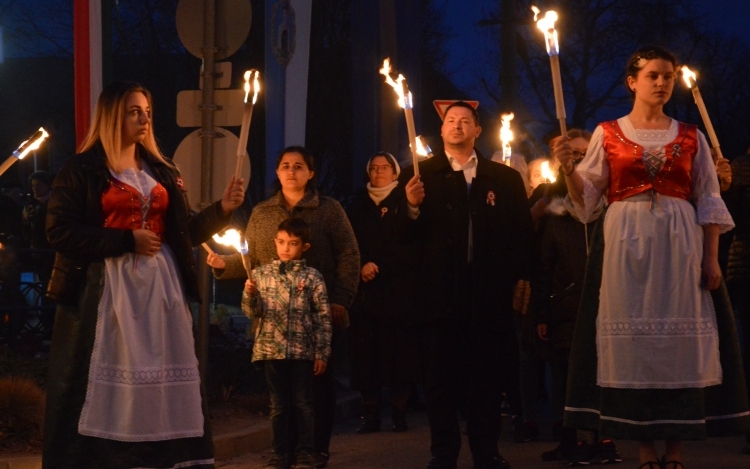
x=293, y=338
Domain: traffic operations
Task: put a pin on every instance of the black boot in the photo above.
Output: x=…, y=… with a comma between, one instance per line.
x=398, y=419
x=564, y=450
x=370, y=420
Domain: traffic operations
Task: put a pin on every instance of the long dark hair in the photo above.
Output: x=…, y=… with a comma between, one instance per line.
x=309, y=161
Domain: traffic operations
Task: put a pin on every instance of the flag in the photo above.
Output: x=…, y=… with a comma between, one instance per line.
x=87, y=61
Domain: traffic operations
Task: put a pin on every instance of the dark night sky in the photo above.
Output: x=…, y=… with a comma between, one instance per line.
x=469, y=45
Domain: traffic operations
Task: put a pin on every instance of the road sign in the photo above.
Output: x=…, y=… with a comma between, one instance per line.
x=188, y=160
x=231, y=103
x=233, y=20
x=442, y=104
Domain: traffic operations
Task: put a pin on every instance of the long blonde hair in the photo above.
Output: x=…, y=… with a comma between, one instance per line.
x=108, y=121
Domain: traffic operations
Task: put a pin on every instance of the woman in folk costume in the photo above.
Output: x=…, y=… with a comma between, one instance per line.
x=124, y=389
x=655, y=352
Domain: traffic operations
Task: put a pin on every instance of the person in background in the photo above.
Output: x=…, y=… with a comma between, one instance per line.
x=557, y=287
x=470, y=230
x=35, y=213
x=293, y=339
x=333, y=252
x=11, y=224
x=655, y=355
x=535, y=176
x=381, y=345
x=735, y=187
x=124, y=388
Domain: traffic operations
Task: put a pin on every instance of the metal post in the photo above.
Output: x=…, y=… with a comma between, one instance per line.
x=207, y=136
x=508, y=56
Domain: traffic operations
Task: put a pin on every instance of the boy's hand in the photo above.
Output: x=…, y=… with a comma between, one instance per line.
x=319, y=367
x=216, y=261
x=250, y=287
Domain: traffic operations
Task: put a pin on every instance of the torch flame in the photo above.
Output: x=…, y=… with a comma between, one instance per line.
x=31, y=144
x=547, y=173
x=547, y=26
x=232, y=238
x=506, y=135
x=255, y=86
x=397, y=85
x=687, y=74
x=423, y=149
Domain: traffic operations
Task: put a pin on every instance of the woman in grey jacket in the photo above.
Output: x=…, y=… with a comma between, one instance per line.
x=333, y=252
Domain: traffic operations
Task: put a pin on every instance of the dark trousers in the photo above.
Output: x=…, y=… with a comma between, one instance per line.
x=399, y=396
x=324, y=402
x=466, y=367
x=290, y=386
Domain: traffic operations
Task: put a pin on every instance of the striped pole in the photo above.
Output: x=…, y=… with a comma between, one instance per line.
x=87, y=62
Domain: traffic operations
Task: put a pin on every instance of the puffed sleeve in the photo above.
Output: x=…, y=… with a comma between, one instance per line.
x=709, y=205
x=594, y=169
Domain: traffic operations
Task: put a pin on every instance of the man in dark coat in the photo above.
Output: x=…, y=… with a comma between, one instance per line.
x=471, y=231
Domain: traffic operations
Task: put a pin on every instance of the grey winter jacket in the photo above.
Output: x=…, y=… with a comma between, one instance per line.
x=333, y=247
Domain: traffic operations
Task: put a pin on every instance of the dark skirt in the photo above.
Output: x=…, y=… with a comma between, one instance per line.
x=70, y=357
x=382, y=353
x=652, y=414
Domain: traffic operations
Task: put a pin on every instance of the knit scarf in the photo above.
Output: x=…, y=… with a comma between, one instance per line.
x=378, y=194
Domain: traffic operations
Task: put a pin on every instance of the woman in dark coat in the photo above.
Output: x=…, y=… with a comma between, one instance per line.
x=737, y=199
x=381, y=353
x=124, y=389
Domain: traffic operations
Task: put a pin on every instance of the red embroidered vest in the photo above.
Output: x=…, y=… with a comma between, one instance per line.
x=121, y=205
x=627, y=171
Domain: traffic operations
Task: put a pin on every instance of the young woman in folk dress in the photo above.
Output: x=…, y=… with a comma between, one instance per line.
x=655, y=354
x=124, y=389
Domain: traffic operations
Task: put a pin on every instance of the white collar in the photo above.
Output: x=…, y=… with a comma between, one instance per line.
x=470, y=163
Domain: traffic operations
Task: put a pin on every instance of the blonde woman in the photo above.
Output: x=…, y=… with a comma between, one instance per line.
x=124, y=389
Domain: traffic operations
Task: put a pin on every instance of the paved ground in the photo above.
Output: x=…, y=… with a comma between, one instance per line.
x=411, y=450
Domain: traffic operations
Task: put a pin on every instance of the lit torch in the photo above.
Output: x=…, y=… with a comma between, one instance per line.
x=506, y=136
x=405, y=101
x=423, y=149
x=687, y=74
x=247, y=116
x=547, y=174
x=547, y=25
x=235, y=239
x=29, y=145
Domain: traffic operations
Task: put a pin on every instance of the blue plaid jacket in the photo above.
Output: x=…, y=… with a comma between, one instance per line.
x=291, y=303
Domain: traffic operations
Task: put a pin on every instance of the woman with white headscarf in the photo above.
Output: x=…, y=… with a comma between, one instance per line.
x=381, y=354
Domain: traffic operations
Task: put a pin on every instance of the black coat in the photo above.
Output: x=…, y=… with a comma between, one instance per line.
x=376, y=228
x=75, y=223
x=558, y=283
x=502, y=240
x=75, y=228
x=737, y=199
x=381, y=345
